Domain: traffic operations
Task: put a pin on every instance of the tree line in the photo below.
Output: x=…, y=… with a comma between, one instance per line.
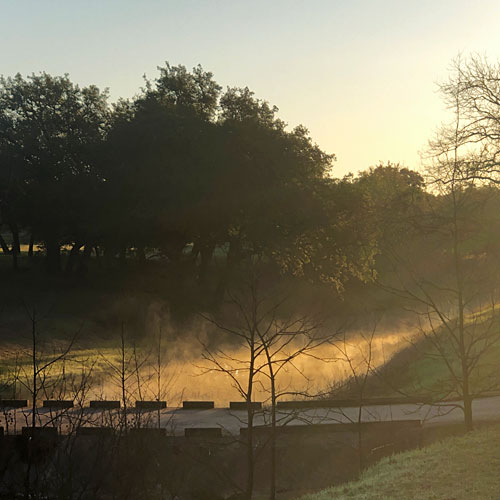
x=205, y=179
x=185, y=168
x=178, y=172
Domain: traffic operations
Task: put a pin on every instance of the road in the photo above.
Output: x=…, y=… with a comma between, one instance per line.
x=484, y=409
x=177, y=419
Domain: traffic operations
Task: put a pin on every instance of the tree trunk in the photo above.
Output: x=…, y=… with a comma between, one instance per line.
x=35, y=369
x=272, y=379
x=34, y=394
x=73, y=256
x=53, y=256
x=250, y=412
x=84, y=261
x=360, y=438
x=98, y=255
x=272, y=488
x=468, y=413
x=235, y=252
x=234, y=258
x=122, y=256
x=5, y=247
x=206, y=258
x=15, y=264
x=463, y=352
x=31, y=245
x=109, y=256
x=467, y=400
x=15, y=238
x=140, y=253
x=16, y=247
x=123, y=377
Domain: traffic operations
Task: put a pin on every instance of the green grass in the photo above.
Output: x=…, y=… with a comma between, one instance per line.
x=419, y=370
x=99, y=359
x=432, y=374
x=458, y=468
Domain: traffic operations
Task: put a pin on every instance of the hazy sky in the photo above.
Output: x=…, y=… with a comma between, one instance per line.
x=359, y=74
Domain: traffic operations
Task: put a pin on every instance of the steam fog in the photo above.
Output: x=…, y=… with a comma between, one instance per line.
x=185, y=375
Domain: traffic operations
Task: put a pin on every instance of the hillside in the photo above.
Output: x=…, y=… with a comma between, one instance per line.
x=458, y=468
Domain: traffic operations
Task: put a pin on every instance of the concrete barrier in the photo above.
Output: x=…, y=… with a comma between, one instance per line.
x=58, y=404
x=94, y=431
x=197, y=405
x=243, y=405
x=393, y=426
x=150, y=405
x=348, y=403
x=39, y=432
x=316, y=403
x=148, y=431
x=105, y=405
x=13, y=403
x=203, y=432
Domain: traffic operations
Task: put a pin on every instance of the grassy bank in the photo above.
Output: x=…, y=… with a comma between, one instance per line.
x=458, y=468
x=419, y=370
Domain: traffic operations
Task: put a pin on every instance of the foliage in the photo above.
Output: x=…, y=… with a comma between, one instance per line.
x=51, y=131
x=183, y=172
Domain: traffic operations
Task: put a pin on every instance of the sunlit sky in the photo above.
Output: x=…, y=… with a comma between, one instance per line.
x=361, y=75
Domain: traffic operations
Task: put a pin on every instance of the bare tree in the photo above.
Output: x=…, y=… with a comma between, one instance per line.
x=154, y=375
x=453, y=291
x=125, y=373
x=284, y=341
x=42, y=361
x=472, y=93
x=45, y=377
x=10, y=384
x=271, y=340
x=356, y=353
x=243, y=371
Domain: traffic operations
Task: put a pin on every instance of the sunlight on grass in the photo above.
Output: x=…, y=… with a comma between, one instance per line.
x=459, y=468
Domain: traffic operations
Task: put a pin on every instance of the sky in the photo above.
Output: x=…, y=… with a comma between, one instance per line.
x=360, y=75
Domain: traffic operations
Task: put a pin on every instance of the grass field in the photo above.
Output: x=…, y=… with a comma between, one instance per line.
x=419, y=370
x=458, y=468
